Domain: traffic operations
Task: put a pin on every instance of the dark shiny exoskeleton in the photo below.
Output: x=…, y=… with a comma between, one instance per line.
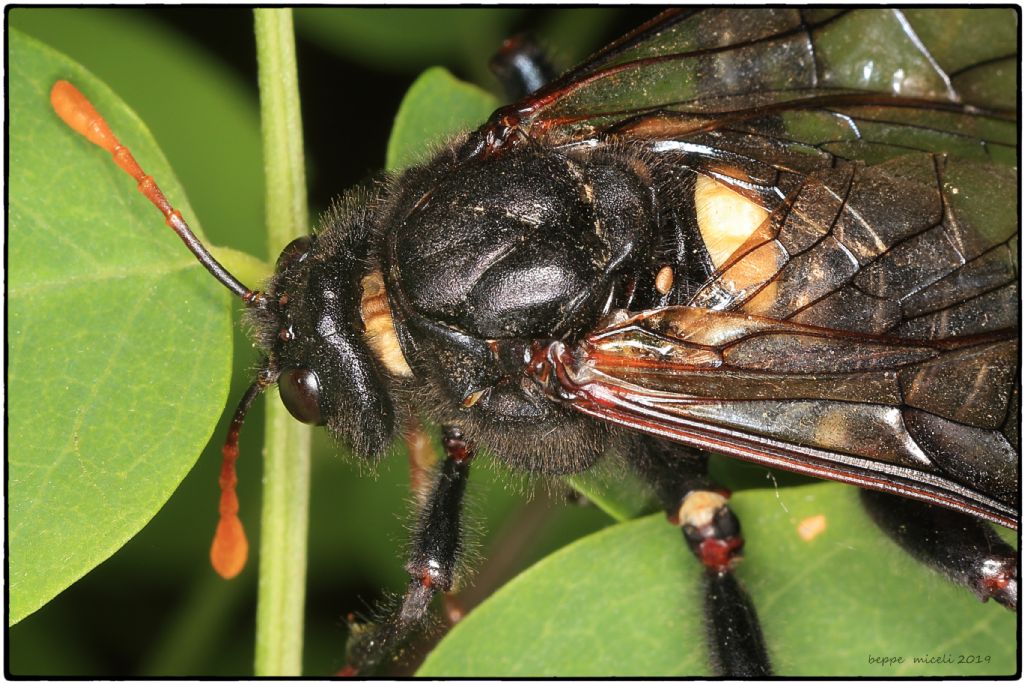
x=484, y=259
x=491, y=272
x=481, y=258
x=720, y=233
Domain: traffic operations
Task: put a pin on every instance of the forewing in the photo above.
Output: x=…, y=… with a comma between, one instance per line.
x=868, y=330
x=922, y=246
x=702, y=67
x=851, y=407
x=878, y=140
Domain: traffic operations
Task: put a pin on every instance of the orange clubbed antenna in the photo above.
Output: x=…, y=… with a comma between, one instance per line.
x=230, y=548
x=76, y=111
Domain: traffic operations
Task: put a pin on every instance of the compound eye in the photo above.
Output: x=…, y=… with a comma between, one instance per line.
x=295, y=252
x=300, y=393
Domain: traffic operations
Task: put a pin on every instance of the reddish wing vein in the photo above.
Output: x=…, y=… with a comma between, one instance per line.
x=829, y=404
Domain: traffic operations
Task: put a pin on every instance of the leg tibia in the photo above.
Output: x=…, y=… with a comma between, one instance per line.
x=965, y=549
x=734, y=632
x=712, y=533
x=433, y=560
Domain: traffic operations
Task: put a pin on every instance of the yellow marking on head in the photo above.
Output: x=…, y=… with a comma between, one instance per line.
x=380, y=326
x=725, y=218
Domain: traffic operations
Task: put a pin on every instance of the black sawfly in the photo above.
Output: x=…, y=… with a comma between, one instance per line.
x=707, y=237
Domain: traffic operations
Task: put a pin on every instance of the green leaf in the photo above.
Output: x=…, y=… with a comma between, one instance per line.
x=207, y=121
x=626, y=602
x=118, y=352
x=436, y=107
x=616, y=490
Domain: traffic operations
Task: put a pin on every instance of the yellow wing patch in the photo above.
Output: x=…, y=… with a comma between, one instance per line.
x=739, y=237
x=726, y=219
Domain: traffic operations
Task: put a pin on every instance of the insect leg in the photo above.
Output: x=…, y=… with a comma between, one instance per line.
x=712, y=532
x=422, y=457
x=967, y=550
x=521, y=66
x=419, y=443
x=433, y=558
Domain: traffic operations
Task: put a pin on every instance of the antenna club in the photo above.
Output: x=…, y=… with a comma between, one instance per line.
x=76, y=111
x=230, y=548
x=79, y=114
x=124, y=159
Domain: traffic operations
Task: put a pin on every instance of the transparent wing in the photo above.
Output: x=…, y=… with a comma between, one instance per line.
x=922, y=246
x=692, y=68
x=925, y=419
x=868, y=329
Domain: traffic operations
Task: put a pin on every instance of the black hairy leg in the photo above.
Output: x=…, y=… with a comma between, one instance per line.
x=521, y=66
x=679, y=476
x=966, y=550
x=434, y=555
x=420, y=445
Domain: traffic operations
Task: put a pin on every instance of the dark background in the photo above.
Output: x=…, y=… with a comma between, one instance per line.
x=340, y=87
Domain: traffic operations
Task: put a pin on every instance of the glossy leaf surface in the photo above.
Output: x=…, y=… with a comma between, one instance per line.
x=208, y=123
x=625, y=602
x=436, y=108
x=106, y=311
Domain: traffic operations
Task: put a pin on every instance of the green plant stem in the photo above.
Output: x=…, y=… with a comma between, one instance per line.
x=285, y=521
